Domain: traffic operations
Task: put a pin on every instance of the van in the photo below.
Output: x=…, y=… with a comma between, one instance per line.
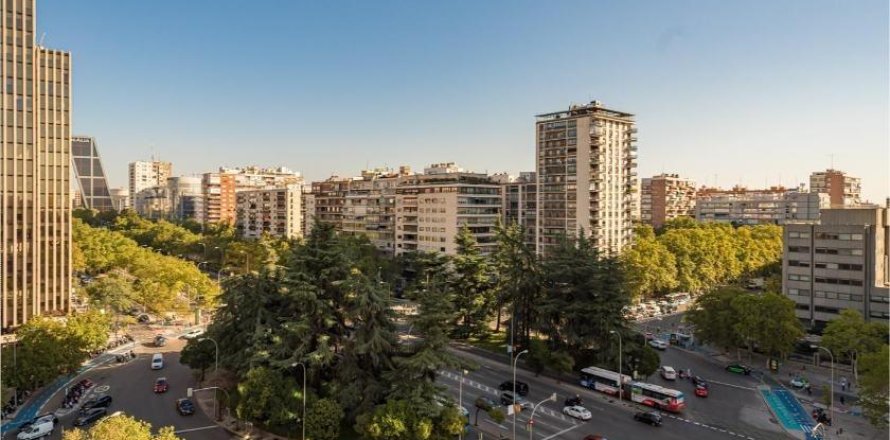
x=157, y=361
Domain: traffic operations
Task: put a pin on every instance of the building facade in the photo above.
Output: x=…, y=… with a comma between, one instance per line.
x=432, y=207
x=186, y=198
x=307, y=212
x=35, y=162
x=219, y=197
x=665, y=197
x=839, y=263
x=843, y=190
x=275, y=211
x=741, y=206
x=120, y=199
x=520, y=204
x=148, y=174
x=369, y=208
x=153, y=202
x=89, y=174
x=586, y=159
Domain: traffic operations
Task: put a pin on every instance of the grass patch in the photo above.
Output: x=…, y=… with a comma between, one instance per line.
x=495, y=342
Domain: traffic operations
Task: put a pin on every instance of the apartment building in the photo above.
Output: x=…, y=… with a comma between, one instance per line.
x=330, y=196
x=153, y=202
x=93, y=192
x=839, y=263
x=148, y=174
x=120, y=199
x=219, y=197
x=35, y=163
x=520, y=204
x=307, y=211
x=432, y=207
x=369, y=207
x=253, y=177
x=665, y=197
x=586, y=160
x=186, y=198
x=741, y=206
x=272, y=211
x=843, y=190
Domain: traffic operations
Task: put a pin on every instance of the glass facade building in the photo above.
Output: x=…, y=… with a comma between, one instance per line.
x=90, y=176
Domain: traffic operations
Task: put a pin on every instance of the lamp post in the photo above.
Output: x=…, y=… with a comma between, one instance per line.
x=216, y=347
x=531, y=420
x=460, y=399
x=304, y=396
x=515, y=361
x=620, y=366
x=831, y=402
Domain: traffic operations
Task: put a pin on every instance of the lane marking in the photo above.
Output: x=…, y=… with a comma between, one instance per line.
x=563, y=431
x=202, y=428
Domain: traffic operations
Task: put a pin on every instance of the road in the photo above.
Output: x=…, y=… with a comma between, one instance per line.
x=131, y=387
x=724, y=417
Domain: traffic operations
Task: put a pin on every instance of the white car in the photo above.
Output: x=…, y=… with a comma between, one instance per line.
x=193, y=333
x=578, y=412
x=658, y=344
x=39, y=428
x=668, y=373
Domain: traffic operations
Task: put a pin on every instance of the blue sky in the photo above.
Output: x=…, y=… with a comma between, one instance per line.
x=750, y=92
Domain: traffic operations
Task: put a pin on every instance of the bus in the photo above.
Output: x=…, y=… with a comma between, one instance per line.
x=657, y=397
x=602, y=380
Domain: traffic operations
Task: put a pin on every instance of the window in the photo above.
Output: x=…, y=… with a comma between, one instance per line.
x=795, y=277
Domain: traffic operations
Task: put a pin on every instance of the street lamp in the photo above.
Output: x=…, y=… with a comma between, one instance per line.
x=831, y=402
x=304, y=396
x=531, y=420
x=460, y=399
x=620, y=366
x=515, y=361
x=216, y=347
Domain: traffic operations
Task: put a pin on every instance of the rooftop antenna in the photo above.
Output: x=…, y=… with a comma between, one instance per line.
x=42, y=36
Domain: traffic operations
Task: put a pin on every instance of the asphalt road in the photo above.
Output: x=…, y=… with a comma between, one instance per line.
x=131, y=386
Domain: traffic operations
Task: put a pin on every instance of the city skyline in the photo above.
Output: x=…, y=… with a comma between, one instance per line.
x=715, y=88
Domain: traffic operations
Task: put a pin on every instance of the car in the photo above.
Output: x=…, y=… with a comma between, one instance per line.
x=521, y=387
x=574, y=401
x=193, y=333
x=653, y=418
x=157, y=361
x=595, y=437
x=701, y=390
x=185, y=407
x=658, y=344
x=738, y=369
x=40, y=419
x=507, y=398
x=578, y=412
x=160, y=341
x=161, y=385
x=90, y=416
x=485, y=403
x=648, y=336
x=38, y=427
x=101, y=402
x=799, y=382
x=668, y=373
x=698, y=380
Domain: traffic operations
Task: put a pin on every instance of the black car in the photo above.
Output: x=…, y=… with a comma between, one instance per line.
x=485, y=403
x=90, y=416
x=698, y=381
x=574, y=401
x=102, y=402
x=185, y=407
x=521, y=387
x=652, y=418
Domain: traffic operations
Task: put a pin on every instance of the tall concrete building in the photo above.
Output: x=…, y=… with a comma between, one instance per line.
x=839, y=263
x=665, y=197
x=520, y=204
x=153, y=202
x=219, y=197
x=274, y=211
x=89, y=174
x=307, y=211
x=35, y=134
x=741, y=206
x=369, y=208
x=843, y=190
x=586, y=160
x=432, y=207
x=329, y=197
x=148, y=174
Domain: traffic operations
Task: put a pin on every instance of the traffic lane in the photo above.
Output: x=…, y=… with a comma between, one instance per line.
x=706, y=368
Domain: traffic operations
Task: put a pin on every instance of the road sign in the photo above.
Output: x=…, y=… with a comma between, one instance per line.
x=189, y=392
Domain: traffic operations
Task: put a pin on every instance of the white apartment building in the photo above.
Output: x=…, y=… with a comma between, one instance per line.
x=148, y=174
x=273, y=211
x=774, y=206
x=586, y=160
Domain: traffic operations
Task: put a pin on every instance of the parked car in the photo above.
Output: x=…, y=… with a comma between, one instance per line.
x=193, y=333
x=799, y=382
x=161, y=385
x=157, y=361
x=701, y=390
x=485, y=403
x=102, y=402
x=578, y=412
x=698, y=380
x=37, y=428
x=521, y=387
x=185, y=407
x=90, y=416
x=160, y=341
x=668, y=373
x=651, y=417
x=40, y=419
x=658, y=344
x=507, y=398
x=738, y=369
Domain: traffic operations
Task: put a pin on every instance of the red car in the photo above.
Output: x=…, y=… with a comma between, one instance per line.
x=701, y=391
x=161, y=385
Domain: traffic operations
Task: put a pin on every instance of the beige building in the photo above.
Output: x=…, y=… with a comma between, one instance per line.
x=839, y=263
x=35, y=162
x=253, y=177
x=586, y=159
x=665, y=197
x=307, y=210
x=148, y=174
x=369, y=208
x=153, y=202
x=843, y=190
x=274, y=211
x=433, y=206
x=520, y=204
x=741, y=206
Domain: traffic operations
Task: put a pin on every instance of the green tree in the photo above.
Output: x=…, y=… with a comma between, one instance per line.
x=779, y=328
x=874, y=385
x=715, y=319
x=88, y=331
x=267, y=395
x=323, y=420
x=518, y=284
x=650, y=267
x=120, y=427
x=849, y=333
x=472, y=281
x=199, y=355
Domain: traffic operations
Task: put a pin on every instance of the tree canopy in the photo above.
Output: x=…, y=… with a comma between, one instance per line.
x=120, y=427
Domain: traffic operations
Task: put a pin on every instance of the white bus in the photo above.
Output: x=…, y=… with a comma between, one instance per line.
x=657, y=397
x=601, y=380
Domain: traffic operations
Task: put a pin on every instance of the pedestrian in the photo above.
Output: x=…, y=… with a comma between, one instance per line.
x=842, y=400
